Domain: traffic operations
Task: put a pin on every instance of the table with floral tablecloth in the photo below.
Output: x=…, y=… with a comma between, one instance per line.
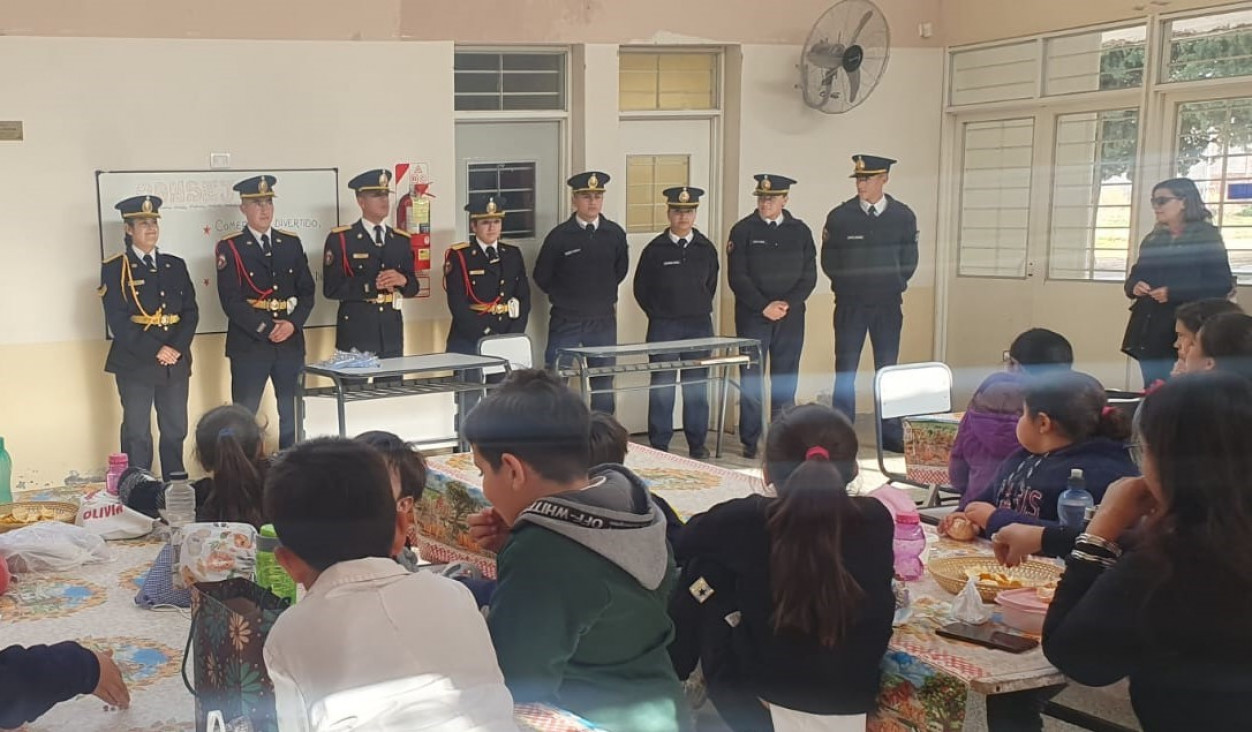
x=928, y=681
x=95, y=606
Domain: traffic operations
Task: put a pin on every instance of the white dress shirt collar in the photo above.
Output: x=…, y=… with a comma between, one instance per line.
x=139, y=254
x=369, y=226
x=583, y=224
x=878, y=207
x=777, y=222
x=674, y=237
x=257, y=234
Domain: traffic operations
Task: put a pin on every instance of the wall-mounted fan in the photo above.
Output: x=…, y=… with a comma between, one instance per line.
x=844, y=56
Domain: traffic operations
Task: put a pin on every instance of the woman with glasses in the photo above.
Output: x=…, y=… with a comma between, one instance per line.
x=1172, y=612
x=1182, y=260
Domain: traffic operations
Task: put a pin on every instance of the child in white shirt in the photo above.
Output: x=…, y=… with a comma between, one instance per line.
x=371, y=646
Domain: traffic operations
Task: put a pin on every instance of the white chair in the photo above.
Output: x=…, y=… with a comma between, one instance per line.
x=910, y=390
x=513, y=347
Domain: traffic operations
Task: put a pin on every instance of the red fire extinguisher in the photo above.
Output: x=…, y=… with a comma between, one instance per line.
x=413, y=215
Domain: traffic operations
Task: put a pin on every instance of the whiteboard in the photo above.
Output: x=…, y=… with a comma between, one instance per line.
x=199, y=207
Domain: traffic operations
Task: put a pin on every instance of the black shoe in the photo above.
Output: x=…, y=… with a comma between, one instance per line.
x=749, y=452
x=699, y=453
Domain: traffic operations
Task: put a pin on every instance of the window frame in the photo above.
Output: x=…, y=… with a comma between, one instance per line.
x=718, y=78
x=563, y=87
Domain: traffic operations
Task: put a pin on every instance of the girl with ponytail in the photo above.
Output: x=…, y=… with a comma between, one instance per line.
x=230, y=446
x=786, y=601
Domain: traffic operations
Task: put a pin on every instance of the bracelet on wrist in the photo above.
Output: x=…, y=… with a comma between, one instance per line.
x=1082, y=556
x=1101, y=542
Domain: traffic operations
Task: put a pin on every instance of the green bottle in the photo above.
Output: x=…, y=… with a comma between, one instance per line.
x=6, y=475
x=269, y=573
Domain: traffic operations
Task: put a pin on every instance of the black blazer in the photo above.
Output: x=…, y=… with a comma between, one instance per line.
x=128, y=288
x=350, y=263
x=244, y=273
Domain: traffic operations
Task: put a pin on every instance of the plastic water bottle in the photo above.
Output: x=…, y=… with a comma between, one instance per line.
x=180, y=504
x=1071, y=507
x=118, y=463
x=6, y=475
x=908, y=545
x=269, y=573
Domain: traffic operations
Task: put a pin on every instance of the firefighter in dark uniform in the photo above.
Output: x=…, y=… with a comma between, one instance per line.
x=150, y=307
x=580, y=266
x=368, y=268
x=675, y=282
x=488, y=292
x=266, y=290
x=773, y=269
x=869, y=251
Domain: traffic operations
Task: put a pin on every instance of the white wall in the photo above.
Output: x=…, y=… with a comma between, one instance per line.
x=91, y=104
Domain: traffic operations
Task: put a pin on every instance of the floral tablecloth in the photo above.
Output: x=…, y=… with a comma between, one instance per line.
x=454, y=491
x=928, y=681
x=94, y=605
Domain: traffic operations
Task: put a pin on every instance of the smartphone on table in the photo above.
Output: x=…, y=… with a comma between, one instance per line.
x=986, y=635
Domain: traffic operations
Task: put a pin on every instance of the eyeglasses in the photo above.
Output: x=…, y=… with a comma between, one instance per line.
x=1162, y=200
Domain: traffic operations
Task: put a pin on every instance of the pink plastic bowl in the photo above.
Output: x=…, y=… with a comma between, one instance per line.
x=1022, y=609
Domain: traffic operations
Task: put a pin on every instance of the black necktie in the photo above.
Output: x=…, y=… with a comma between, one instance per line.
x=378, y=234
x=873, y=212
x=591, y=228
x=491, y=254
x=773, y=224
x=147, y=260
x=682, y=243
x=265, y=244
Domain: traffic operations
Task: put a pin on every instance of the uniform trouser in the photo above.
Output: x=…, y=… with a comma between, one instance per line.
x=565, y=332
x=695, y=395
x=247, y=385
x=169, y=394
x=852, y=322
x=781, y=343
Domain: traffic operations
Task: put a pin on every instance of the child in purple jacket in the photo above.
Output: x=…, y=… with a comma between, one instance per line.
x=986, y=436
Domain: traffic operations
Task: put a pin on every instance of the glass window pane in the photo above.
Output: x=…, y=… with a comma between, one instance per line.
x=512, y=81
x=477, y=83
x=995, y=198
x=1213, y=147
x=532, y=62
x=994, y=74
x=646, y=177
x=1092, y=191
x=667, y=80
x=514, y=182
x=1095, y=61
x=1210, y=47
x=464, y=61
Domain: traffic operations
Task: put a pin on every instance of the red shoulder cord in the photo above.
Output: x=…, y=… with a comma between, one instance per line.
x=469, y=287
x=243, y=273
x=343, y=247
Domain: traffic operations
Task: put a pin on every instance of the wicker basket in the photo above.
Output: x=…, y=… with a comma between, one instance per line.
x=49, y=510
x=949, y=572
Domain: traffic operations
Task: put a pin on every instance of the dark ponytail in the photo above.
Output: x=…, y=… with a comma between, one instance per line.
x=1077, y=405
x=229, y=445
x=813, y=593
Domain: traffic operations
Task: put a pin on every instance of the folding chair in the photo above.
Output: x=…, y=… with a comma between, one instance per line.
x=513, y=347
x=910, y=390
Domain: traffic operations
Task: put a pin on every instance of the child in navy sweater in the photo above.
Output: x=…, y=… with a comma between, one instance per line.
x=1066, y=424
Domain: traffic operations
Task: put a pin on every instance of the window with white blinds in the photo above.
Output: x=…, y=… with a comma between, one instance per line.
x=995, y=197
x=994, y=74
x=1092, y=192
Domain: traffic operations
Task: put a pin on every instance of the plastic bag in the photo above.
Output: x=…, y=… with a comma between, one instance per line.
x=51, y=546
x=969, y=607
x=106, y=516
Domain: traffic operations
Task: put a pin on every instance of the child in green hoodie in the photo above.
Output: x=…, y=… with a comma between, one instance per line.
x=579, y=616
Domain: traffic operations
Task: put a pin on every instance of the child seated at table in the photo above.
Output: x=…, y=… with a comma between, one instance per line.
x=1189, y=319
x=579, y=615
x=806, y=577
x=1066, y=424
x=409, y=650
x=230, y=446
x=986, y=436
x=1224, y=344
x=609, y=444
x=406, y=466
x=36, y=678
x=987, y=433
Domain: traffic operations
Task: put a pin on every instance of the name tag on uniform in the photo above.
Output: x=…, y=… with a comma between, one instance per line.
x=573, y=251
x=855, y=237
x=667, y=264
x=478, y=271
x=757, y=241
x=136, y=282
x=362, y=255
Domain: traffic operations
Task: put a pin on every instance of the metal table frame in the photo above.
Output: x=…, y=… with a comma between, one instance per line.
x=431, y=370
x=575, y=362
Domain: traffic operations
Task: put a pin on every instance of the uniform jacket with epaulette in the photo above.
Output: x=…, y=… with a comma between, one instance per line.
x=479, y=291
x=128, y=289
x=351, y=262
x=245, y=275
